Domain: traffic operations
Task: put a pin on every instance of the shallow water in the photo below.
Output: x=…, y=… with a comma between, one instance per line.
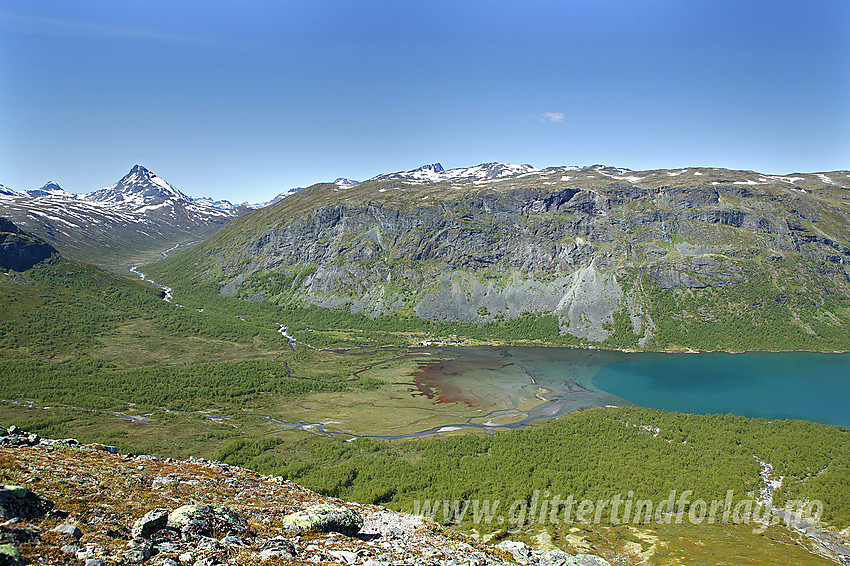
x=516, y=386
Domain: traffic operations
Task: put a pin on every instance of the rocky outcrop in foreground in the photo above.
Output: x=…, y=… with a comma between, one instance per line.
x=65, y=503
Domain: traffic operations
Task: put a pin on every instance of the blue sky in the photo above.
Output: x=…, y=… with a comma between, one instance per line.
x=243, y=100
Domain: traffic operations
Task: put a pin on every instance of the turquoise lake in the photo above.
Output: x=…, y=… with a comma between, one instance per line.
x=792, y=385
x=523, y=385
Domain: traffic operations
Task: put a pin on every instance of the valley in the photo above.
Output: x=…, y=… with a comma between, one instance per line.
x=280, y=363
x=424, y=283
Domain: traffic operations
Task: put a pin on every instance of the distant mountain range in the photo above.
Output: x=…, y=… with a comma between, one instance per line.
x=629, y=258
x=140, y=212
x=658, y=258
x=434, y=173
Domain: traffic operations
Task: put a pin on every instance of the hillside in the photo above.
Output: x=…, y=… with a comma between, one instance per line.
x=698, y=258
x=19, y=250
x=66, y=503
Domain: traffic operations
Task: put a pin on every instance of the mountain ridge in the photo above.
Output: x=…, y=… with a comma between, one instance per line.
x=595, y=247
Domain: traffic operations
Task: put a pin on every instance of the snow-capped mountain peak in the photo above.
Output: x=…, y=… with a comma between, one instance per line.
x=50, y=189
x=342, y=181
x=7, y=192
x=140, y=188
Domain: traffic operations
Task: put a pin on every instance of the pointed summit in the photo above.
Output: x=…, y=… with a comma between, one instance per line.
x=50, y=189
x=139, y=188
x=139, y=174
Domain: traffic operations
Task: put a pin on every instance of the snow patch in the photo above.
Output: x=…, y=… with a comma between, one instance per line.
x=789, y=180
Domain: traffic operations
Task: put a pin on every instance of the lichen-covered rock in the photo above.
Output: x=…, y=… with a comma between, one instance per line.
x=9, y=555
x=149, y=523
x=324, y=517
x=138, y=551
x=72, y=548
x=590, y=560
x=524, y=554
x=344, y=556
x=521, y=552
x=18, y=501
x=232, y=540
x=204, y=520
x=557, y=558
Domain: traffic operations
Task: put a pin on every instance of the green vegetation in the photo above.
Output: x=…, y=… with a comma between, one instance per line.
x=758, y=314
x=594, y=454
x=196, y=386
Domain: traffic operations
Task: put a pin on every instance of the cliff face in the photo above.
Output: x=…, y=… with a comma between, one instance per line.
x=584, y=246
x=19, y=251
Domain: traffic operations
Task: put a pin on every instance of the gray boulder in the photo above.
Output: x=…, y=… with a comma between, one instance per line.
x=278, y=548
x=138, y=551
x=590, y=560
x=70, y=530
x=324, y=518
x=18, y=501
x=521, y=552
x=205, y=520
x=557, y=558
x=149, y=523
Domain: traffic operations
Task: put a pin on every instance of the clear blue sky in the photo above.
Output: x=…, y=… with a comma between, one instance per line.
x=242, y=100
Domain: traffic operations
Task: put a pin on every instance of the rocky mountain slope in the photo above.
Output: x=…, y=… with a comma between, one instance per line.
x=64, y=503
x=19, y=250
x=139, y=212
x=642, y=258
